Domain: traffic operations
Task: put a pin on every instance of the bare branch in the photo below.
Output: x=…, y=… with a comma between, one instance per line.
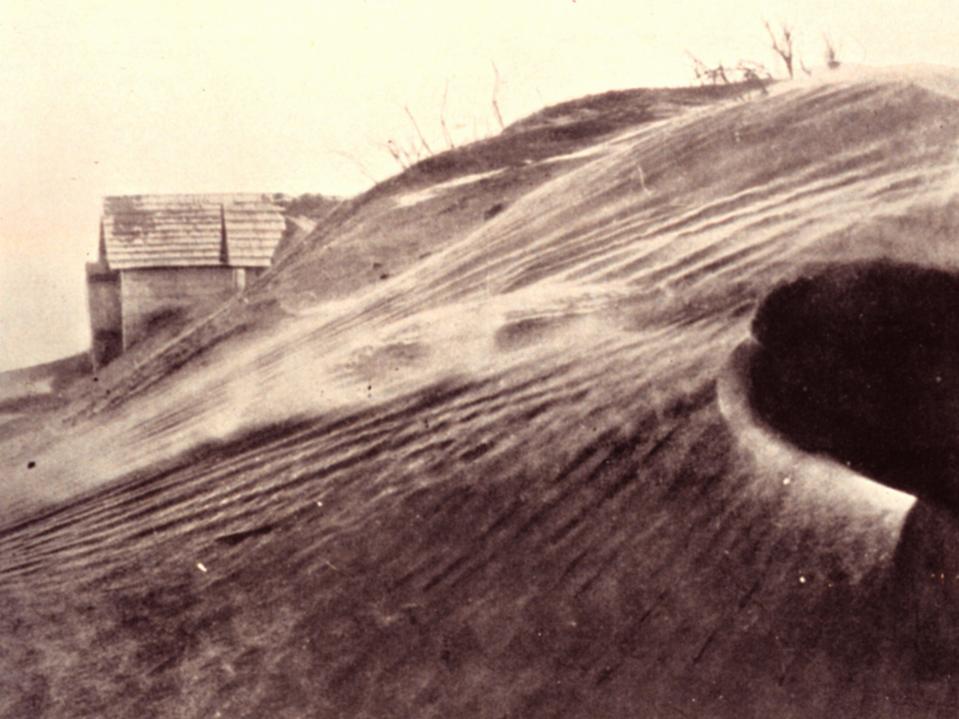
x=783, y=45
x=499, y=116
x=446, y=131
x=359, y=165
x=397, y=153
x=704, y=73
x=832, y=55
x=750, y=69
x=417, y=128
x=699, y=68
x=413, y=153
x=542, y=102
x=754, y=74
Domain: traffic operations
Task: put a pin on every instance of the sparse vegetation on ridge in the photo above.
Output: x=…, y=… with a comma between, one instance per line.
x=754, y=74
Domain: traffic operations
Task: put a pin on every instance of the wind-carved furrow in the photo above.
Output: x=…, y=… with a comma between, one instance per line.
x=721, y=261
x=598, y=570
x=168, y=497
x=501, y=255
x=767, y=209
x=593, y=480
x=567, y=253
x=63, y=516
x=101, y=531
x=70, y=522
x=563, y=250
x=238, y=464
x=125, y=492
x=222, y=506
x=903, y=182
x=587, y=457
x=643, y=267
x=654, y=258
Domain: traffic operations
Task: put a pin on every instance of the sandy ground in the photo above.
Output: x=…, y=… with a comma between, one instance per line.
x=520, y=475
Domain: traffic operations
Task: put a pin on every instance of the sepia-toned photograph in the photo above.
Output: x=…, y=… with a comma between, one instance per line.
x=534, y=359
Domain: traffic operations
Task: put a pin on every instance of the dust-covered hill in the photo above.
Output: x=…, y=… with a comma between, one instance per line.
x=493, y=441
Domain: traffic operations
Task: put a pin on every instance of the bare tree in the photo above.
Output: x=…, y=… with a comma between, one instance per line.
x=754, y=74
x=398, y=153
x=704, y=73
x=699, y=68
x=446, y=130
x=416, y=127
x=720, y=74
x=832, y=55
x=414, y=152
x=782, y=44
x=496, y=82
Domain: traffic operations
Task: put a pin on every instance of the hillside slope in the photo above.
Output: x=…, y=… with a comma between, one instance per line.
x=484, y=445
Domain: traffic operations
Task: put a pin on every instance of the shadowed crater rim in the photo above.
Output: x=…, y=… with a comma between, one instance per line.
x=860, y=362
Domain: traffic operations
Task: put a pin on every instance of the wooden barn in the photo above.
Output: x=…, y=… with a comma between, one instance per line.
x=163, y=255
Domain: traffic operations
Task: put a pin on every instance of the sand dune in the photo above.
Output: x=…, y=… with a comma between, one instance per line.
x=492, y=453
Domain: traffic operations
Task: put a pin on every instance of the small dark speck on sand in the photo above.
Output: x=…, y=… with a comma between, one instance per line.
x=31, y=464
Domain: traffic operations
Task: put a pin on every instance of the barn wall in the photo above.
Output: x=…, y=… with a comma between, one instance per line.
x=150, y=296
x=103, y=300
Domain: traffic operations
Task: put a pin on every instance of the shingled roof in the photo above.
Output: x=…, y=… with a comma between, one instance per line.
x=139, y=231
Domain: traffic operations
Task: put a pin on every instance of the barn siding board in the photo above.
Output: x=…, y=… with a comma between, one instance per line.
x=148, y=296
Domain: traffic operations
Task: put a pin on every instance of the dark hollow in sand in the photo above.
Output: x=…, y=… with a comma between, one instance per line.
x=861, y=362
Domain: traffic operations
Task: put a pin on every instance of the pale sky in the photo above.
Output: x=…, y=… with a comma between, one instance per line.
x=121, y=97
